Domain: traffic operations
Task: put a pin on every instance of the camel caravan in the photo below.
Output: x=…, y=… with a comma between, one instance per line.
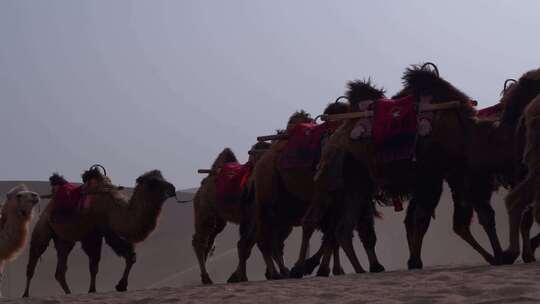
x=331, y=173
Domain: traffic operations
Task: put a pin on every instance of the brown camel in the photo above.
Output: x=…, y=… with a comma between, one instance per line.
x=344, y=194
x=112, y=216
x=458, y=148
x=211, y=214
x=283, y=195
x=15, y=217
x=523, y=111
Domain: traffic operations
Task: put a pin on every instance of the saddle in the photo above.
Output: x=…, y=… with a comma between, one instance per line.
x=231, y=181
x=303, y=148
x=493, y=112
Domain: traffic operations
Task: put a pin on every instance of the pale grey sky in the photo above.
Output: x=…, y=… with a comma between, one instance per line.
x=137, y=85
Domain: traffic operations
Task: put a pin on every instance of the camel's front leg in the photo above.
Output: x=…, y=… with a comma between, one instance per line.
x=124, y=249
x=92, y=245
x=41, y=237
x=63, y=249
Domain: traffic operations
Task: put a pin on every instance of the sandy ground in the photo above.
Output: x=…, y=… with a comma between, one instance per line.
x=480, y=284
x=167, y=260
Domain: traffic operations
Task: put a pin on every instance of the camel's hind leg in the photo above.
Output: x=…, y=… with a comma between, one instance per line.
x=124, y=249
x=421, y=209
x=63, y=249
x=278, y=251
x=337, y=269
x=245, y=245
x=206, y=231
x=344, y=232
x=41, y=237
x=366, y=232
x=526, y=223
x=92, y=245
x=463, y=212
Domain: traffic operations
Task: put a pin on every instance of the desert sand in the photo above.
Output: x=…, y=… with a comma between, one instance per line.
x=481, y=284
x=166, y=260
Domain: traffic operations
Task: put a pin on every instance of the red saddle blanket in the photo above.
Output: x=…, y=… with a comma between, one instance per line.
x=304, y=146
x=231, y=181
x=67, y=197
x=395, y=127
x=490, y=112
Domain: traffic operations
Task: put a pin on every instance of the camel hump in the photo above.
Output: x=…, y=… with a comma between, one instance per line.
x=226, y=156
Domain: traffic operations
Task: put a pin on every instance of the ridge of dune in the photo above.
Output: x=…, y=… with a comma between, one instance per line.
x=476, y=284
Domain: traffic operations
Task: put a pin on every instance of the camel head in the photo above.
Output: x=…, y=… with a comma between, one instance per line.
x=154, y=187
x=362, y=90
x=517, y=96
x=20, y=202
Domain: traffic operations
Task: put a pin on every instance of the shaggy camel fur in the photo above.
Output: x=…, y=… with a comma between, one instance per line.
x=211, y=216
x=15, y=217
x=337, y=209
x=120, y=221
x=525, y=111
x=282, y=198
x=459, y=149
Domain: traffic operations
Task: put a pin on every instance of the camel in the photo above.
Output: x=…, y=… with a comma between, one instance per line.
x=522, y=111
x=122, y=222
x=212, y=215
x=282, y=197
x=459, y=148
x=15, y=217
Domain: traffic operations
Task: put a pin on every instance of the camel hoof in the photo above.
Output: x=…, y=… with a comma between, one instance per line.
x=528, y=258
x=415, y=264
x=323, y=272
x=310, y=265
x=376, y=268
x=237, y=278
x=121, y=287
x=337, y=271
x=25, y=295
x=274, y=276
x=285, y=273
x=205, y=278
x=92, y=290
x=297, y=272
x=509, y=257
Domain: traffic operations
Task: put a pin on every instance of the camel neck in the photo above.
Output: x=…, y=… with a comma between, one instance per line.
x=13, y=235
x=138, y=219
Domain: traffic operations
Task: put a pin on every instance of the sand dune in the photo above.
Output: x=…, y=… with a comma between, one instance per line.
x=166, y=259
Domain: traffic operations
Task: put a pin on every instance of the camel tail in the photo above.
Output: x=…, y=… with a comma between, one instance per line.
x=226, y=156
x=522, y=194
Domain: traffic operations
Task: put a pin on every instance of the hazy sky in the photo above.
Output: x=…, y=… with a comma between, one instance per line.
x=137, y=85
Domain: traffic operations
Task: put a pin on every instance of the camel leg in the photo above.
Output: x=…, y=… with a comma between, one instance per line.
x=421, y=208
x=535, y=242
x=41, y=237
x=124, y=249
x=353, y=202
x=308, y=228
x=278, y=252
x=325, y=252
x=337, y=269
x=526, y=223
x=205, y=232
x=479, y=193
x=462, y=217
x=92, y=245
x=245, y=245
x=366, y=232
x=462, y=227
x=2, y=265
x=517, y=202
x=311, y=263
x=63, y=249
